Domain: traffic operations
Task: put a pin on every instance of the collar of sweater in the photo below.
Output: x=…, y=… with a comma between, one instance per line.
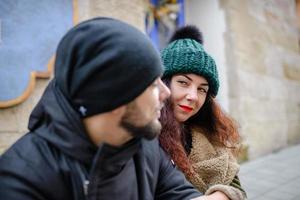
x=212, y=164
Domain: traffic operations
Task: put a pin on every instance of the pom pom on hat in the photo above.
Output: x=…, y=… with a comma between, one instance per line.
x=189, y=31
x=185, y=54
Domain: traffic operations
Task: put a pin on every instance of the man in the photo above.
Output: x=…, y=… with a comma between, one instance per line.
x=92, y=134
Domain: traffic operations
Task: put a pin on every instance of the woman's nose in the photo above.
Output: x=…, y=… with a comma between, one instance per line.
x=192, y=94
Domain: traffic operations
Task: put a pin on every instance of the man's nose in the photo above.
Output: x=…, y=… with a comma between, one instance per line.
x=164, y=91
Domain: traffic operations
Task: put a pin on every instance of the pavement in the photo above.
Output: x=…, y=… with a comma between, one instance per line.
x=273, y=177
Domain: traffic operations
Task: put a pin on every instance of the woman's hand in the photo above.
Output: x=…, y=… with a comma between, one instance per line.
x=214, y=196
x=217, y=196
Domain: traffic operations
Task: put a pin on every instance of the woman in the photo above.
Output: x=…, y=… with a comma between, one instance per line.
x=201, y=139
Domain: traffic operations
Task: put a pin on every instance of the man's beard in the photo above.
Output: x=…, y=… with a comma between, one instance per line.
x=148, y=131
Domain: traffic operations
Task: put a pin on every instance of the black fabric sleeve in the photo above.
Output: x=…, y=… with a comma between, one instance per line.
x=16, y=184
x=172, y=184
x=21, y=179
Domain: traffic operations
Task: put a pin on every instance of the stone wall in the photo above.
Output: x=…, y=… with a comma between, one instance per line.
x=130, y=11
x=262, y=47
x=13, y=121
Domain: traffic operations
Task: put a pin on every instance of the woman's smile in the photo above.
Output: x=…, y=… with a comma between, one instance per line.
x=186, y=108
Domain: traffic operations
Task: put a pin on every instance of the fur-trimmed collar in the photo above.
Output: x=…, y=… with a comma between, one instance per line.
x=213, y=165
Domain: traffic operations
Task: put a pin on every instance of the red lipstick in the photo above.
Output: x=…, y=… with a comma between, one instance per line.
x=186, y=108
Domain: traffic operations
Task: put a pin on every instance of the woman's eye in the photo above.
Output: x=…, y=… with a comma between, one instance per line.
x=182, y=82
x=202, y=90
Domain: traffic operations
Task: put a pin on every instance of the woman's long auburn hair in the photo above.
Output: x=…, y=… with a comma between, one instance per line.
x=218, y=127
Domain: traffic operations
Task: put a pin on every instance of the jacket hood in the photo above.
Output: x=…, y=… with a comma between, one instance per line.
x=54, y=119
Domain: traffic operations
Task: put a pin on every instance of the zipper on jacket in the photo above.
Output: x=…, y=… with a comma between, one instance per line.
x=84, y=180
x=86, y=187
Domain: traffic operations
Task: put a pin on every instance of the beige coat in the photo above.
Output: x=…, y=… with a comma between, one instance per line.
x=215, y=167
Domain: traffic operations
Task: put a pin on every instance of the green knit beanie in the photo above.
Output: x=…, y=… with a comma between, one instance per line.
x=188, y=56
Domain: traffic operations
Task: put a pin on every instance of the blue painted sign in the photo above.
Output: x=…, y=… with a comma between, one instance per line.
x=30, y=32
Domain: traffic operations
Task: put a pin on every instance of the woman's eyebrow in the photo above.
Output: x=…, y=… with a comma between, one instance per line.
x=186, y=76
x=204, y=84
x=189, y=78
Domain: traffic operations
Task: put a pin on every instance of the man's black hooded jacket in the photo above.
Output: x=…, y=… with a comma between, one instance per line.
x=57, y=161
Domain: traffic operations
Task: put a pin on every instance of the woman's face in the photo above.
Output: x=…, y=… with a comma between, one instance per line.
x=188, y=94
